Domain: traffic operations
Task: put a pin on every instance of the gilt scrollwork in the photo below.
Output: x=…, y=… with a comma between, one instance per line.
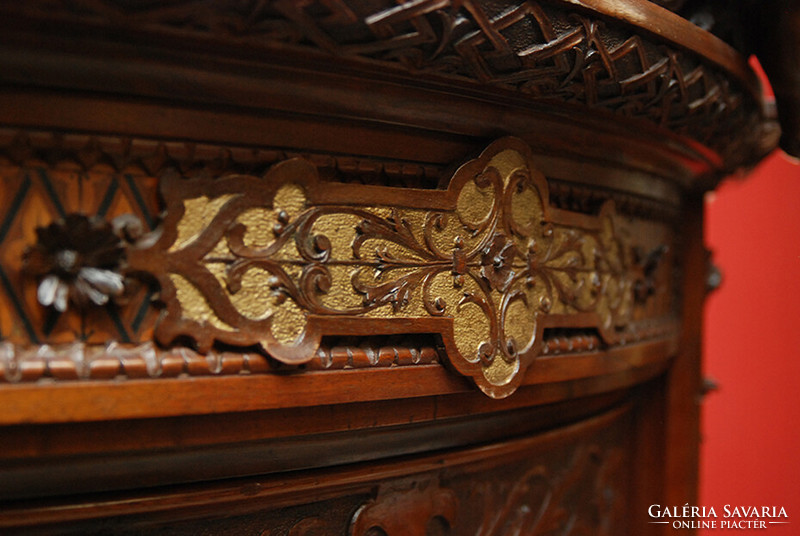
x=281, y=260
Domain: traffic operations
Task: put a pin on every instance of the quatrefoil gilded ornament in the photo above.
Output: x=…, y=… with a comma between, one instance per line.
x=283, y=259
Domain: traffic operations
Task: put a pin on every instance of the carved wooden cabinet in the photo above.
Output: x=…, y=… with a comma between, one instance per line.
x=335, y=267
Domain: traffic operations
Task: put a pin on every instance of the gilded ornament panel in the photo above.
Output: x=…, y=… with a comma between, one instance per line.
x=280, y=260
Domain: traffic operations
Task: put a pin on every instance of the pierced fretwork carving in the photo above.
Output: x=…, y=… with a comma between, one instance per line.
x=487, y=264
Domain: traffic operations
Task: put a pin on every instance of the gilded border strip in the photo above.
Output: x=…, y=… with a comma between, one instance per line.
x=282, y=260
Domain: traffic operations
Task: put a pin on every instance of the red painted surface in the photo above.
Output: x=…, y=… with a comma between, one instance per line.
x=751, y=426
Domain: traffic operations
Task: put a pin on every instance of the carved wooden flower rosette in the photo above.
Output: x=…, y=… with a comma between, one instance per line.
x=284, y=259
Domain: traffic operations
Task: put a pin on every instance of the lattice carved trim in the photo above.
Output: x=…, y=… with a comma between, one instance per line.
x=549, y=51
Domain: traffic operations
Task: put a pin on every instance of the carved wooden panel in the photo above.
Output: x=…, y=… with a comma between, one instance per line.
x=581, y=491
x=255, y=269
x=570, y=481
x=487, y=264
x=279, y=261
x=49, y=176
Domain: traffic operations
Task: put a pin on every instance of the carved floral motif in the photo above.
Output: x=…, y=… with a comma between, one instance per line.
x=488, y=264
x=76, y=259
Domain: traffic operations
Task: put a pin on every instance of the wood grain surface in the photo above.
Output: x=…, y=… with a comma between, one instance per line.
x=141, y=143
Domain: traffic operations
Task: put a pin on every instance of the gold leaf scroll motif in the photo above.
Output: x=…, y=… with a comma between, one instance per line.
x=281, y=260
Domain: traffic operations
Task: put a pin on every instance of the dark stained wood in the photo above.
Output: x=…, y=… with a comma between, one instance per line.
x=606, y=431
x=176, y=451
x=110, y=399
x=775, y=39
x=684, y=380
x=144, y=411
x=648, y=469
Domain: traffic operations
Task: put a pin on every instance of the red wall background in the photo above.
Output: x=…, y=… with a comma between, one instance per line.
x=750, y=453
